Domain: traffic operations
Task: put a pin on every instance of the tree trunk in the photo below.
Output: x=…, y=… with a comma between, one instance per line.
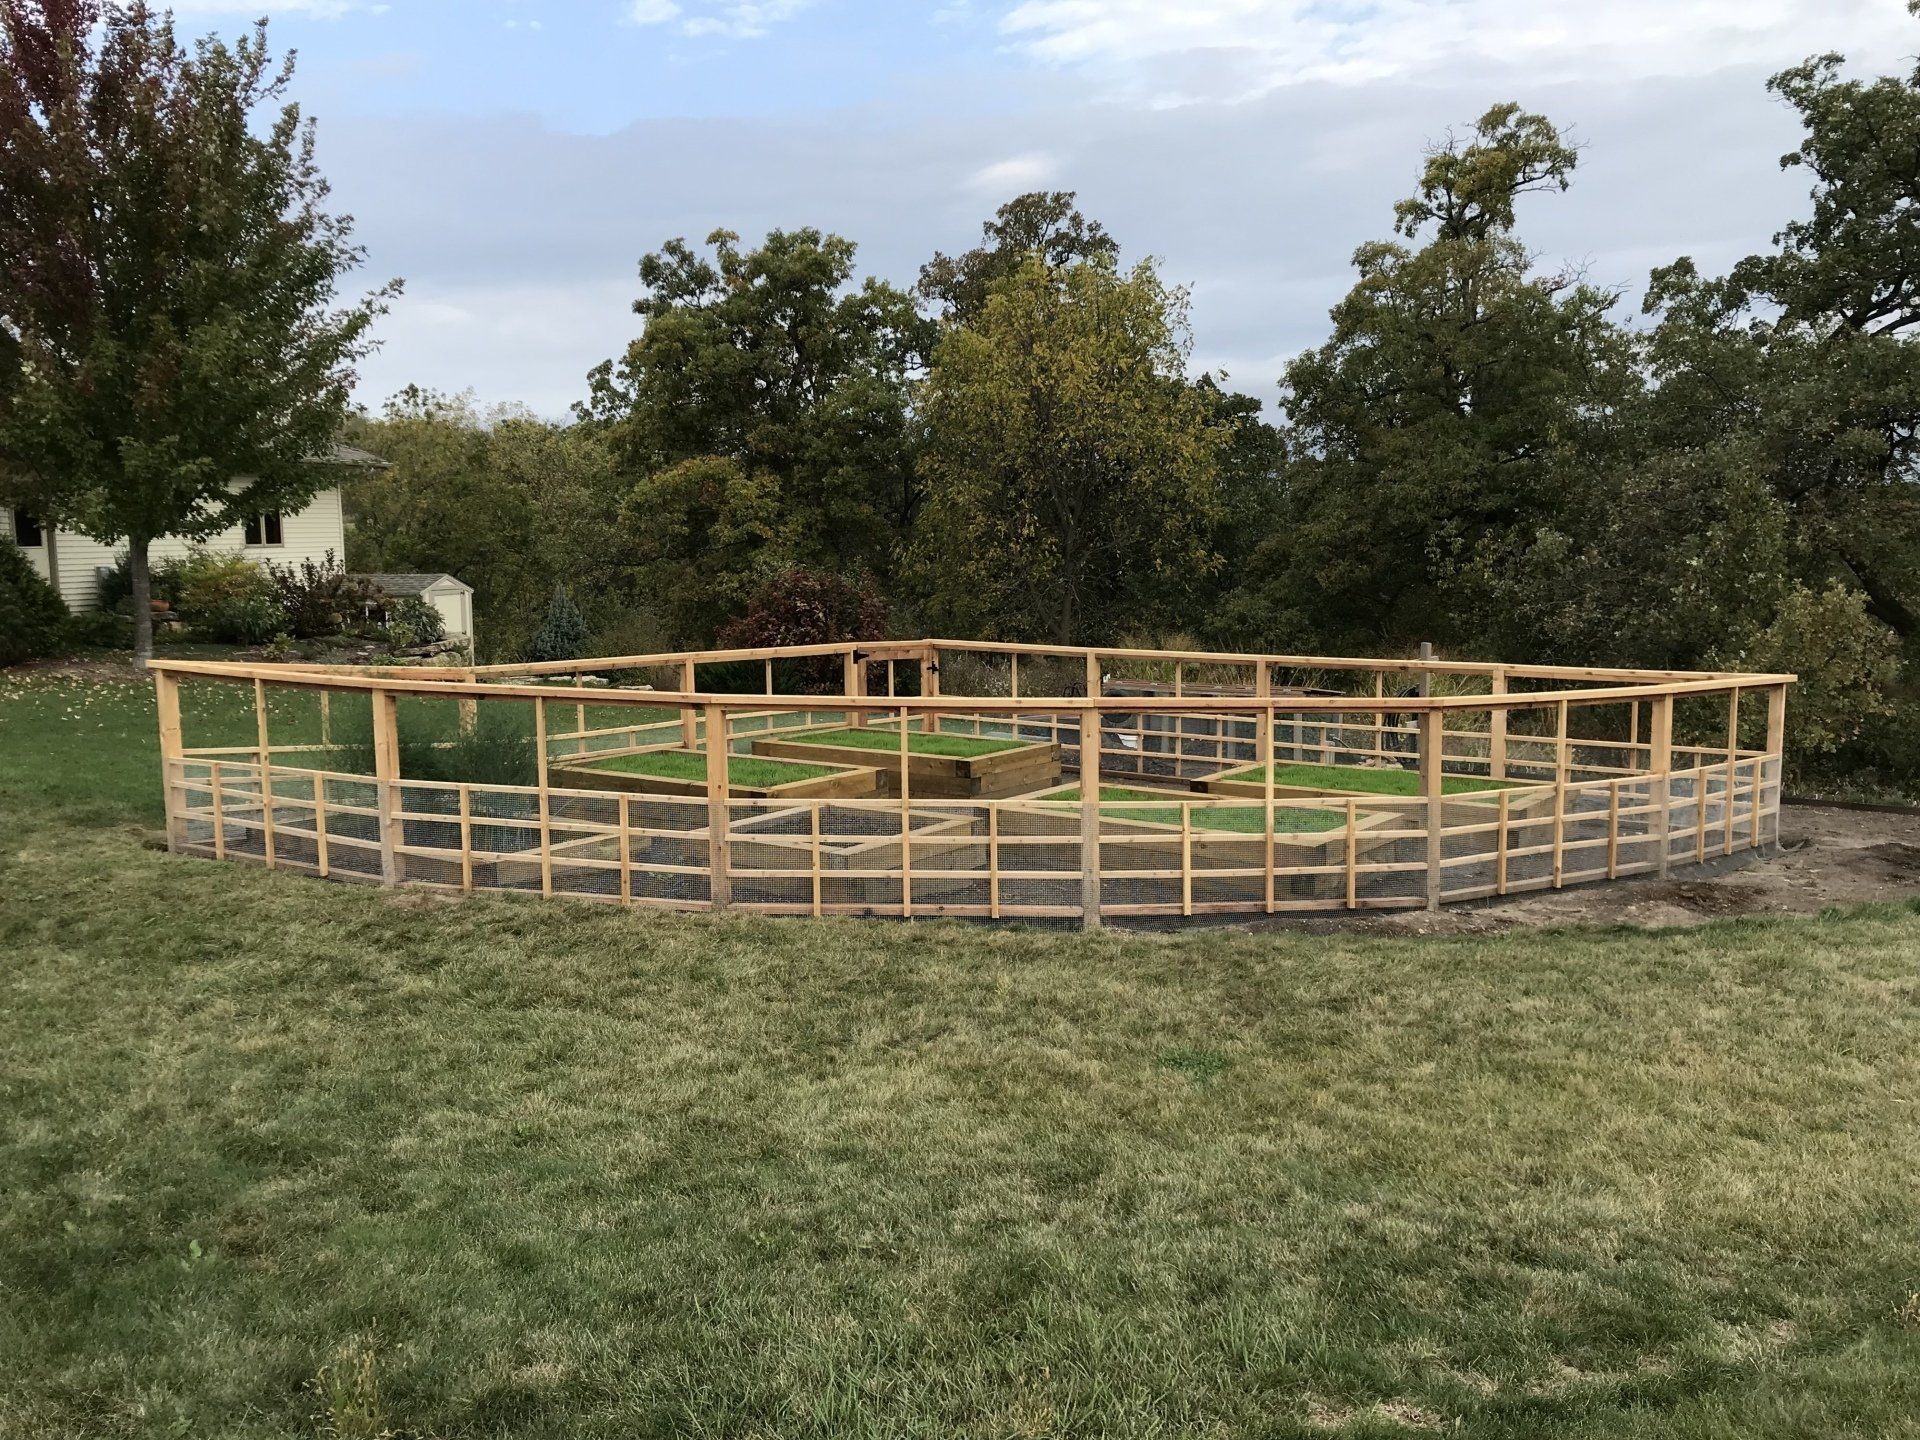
x=142, y=600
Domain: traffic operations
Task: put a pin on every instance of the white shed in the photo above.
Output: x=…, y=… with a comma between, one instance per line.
x=451, y=597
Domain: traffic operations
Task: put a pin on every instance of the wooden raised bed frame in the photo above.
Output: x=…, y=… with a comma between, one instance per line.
x=1000, y=774
x=843, y=782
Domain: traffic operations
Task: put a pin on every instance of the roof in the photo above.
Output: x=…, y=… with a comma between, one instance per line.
x=338, y=454
x=411, y=584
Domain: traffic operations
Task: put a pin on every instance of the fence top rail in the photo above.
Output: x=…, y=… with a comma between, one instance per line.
x=422, y=681
x=928, y=648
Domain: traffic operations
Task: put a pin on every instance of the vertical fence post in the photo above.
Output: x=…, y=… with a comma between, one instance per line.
x=1431, y=774
x=1186, y=857
x=1776, y=750
x=1660, y=769
x=930, y=671
x=1559, y=792
x=1263, y=687
x=1733, y=758
x=166, y=697
x=626, y=848
x=993, y=859
x=906, y=822
x=813, y=852
x=719, y=811
x=1353, y=853
x=266, y=769
x=326, y=718
x=386, y=772
x=689, y=722
x=540, y=772
x=1497, y=731
x=320, y=824
x=466, y=838
x=1090, y=809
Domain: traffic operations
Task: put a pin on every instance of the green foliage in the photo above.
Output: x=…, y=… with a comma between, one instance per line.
x=226, y=597
x=563, y=635
x=170, y=280
x=1847, y=662
x=32, y=615
x=771, y=363
x=1042, y=225
x=318, y=598
x=1071, y=469
x=510, y=503
x=95, y=630
x=703, y=537
x=1460, y=396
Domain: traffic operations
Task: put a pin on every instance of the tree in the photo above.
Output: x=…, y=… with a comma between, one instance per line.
x=702, y=537
x=1041, y=223
x=1071, y=469
x=167, y=281
x=563, y=635
x=1804, y=359
x=1461, y=395
x=509, y=502
x=773, y=360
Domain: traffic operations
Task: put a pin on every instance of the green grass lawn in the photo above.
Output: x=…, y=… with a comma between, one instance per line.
x=282, y=1158
x=917, y=743
x=746, y=770
x=1242, y=819
x=1369, y=780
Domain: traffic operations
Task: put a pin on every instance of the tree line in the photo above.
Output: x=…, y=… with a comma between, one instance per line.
x=1486, y=451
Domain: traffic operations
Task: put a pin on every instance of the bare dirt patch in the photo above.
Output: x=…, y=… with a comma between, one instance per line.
x=1827, y=856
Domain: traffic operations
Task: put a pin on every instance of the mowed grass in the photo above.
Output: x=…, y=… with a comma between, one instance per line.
x=281, y=1158
x=682, y=765
x=1241, y=819
x=918, y=742
x=1369, y=779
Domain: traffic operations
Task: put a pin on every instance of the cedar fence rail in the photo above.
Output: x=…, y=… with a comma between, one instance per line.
x=1229, y=783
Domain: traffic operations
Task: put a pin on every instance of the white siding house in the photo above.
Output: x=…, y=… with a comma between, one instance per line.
x=72, y=562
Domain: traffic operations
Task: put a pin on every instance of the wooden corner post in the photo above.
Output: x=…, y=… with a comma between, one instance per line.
x=1432, y=773
x=166, y=697
x=1497, y=731
x=719, y=811
x=854, y=685
x=1660, y=769
x=1090, y=813
x=386, y=774
x=1263, y=723
x=1775, y=758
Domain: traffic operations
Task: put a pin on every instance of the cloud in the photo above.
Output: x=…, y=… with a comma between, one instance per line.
x=315, y=9
x=1215, y=49
x=519, y=242
x=724, y=19
x=1014, y=174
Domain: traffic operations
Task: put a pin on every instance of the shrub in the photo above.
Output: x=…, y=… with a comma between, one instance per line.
x=96, y=630
x=163, y=582
x=809, y=607
x=320, y=598
x=410, y=621
x=563, y=635
x=32, y=614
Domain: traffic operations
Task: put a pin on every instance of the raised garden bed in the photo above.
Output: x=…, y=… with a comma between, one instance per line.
x=1221, y=836
x=1468, y=799
x=940, y=764
x=684, y=772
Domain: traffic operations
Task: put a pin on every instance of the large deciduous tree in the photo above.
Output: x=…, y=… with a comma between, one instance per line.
x=774, y=362
x=172, y=354
x=1042, y=223
x=1071, y=468
x=1462, y=392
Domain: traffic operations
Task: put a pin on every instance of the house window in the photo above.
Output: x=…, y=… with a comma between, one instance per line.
x=27, y=531
x=263, y=529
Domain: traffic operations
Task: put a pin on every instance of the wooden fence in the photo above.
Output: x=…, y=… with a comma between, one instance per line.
x=1518, y=778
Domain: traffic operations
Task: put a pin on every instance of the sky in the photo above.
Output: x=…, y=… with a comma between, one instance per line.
x=511, y=160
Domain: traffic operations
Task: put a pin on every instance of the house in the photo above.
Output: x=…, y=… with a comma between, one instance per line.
x=72, y=562
x=449, y=596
